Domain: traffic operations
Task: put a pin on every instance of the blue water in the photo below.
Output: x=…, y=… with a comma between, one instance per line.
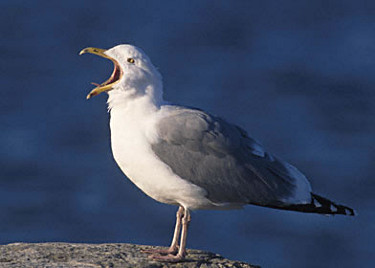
x=298, y=75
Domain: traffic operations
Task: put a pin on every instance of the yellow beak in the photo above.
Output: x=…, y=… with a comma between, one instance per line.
x=115, y=77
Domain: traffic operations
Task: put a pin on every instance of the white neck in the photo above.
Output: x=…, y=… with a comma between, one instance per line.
x=133, y=114
x=152, y=95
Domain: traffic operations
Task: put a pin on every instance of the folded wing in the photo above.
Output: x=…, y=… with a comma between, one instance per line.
x=221, y=158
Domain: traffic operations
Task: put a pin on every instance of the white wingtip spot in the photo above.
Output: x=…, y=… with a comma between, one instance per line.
x=333, y=208
x=317, y=204
x=348, y=212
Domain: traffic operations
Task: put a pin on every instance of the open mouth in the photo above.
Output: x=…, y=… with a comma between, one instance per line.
x=112, y=80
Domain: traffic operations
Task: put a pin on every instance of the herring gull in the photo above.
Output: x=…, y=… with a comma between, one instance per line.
x=189, y=158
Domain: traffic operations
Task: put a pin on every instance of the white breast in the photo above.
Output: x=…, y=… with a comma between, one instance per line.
x=132, y=132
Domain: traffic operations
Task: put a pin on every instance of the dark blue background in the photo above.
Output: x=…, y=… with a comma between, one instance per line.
x=298, y=75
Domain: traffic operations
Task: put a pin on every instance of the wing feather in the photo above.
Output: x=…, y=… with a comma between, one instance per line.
x=221, y=158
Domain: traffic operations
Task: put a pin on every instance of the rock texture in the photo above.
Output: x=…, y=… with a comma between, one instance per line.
x=100, y=256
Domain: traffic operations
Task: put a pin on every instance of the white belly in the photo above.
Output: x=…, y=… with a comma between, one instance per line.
x=131, y=147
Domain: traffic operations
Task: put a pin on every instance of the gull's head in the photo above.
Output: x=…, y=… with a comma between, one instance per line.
x=133, y=71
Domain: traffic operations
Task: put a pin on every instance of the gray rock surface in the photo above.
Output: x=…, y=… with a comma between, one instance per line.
x=100, y=256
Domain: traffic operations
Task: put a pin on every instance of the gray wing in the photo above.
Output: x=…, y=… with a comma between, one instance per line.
x=221, y=158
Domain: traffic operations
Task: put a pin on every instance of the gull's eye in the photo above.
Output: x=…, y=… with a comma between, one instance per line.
x=131, y=60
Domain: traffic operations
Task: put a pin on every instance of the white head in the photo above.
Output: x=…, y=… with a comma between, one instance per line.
x=133, y=75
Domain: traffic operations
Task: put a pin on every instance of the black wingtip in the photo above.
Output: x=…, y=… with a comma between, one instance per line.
x=319, y=204
x=329, y=207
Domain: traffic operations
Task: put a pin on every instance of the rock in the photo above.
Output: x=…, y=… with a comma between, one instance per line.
x=100, y=256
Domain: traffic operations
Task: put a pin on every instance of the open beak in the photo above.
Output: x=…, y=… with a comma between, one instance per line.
x=115, y=77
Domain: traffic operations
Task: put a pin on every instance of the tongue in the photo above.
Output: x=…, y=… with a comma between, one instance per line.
x=96, y=84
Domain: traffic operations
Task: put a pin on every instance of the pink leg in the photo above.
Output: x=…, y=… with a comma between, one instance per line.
x=174, y=245
x=182, y=249
x=173, y=249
